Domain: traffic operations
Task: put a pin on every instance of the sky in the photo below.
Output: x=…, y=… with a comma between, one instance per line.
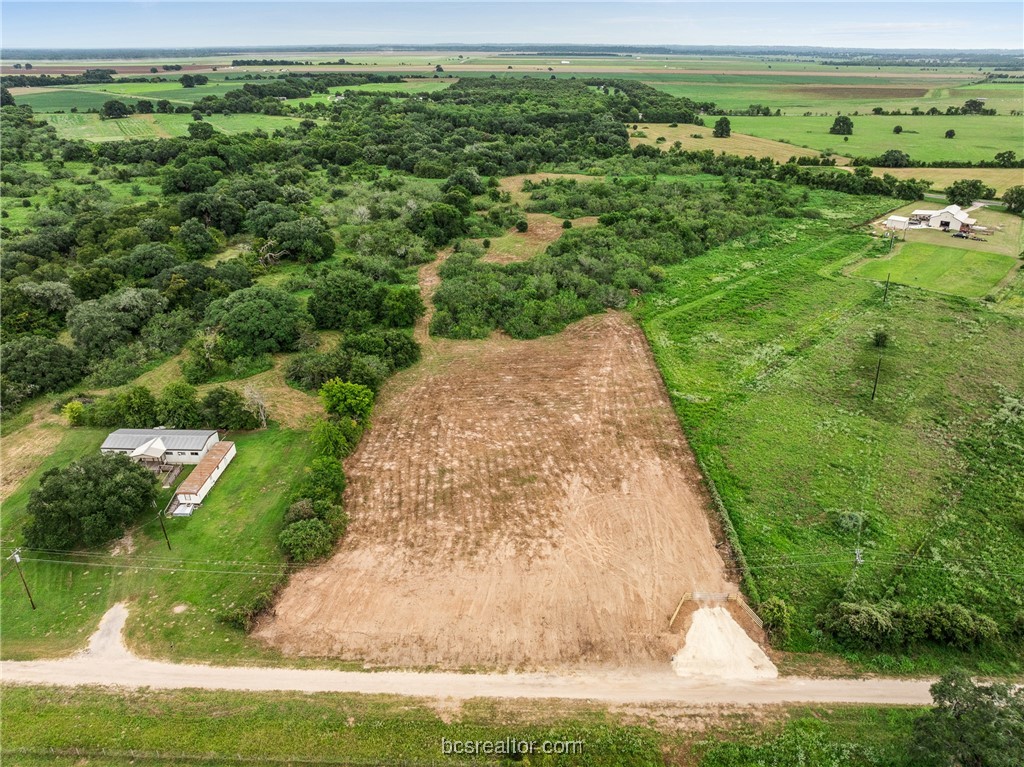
x=239, y=23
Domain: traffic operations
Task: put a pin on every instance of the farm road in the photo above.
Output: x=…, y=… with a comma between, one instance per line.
x=107, y=662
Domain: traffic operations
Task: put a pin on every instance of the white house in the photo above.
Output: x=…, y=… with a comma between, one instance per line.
x=952, y=218
x=161, y=445
x=194, y=488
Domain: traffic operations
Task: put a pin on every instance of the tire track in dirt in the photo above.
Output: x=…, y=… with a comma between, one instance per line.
x=515, y=504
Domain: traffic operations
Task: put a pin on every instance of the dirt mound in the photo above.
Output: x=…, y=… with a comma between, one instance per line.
x=716, y=646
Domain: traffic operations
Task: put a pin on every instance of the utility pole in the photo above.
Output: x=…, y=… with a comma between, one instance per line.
x=877, y=371
x=16, y=556
x=160, y=516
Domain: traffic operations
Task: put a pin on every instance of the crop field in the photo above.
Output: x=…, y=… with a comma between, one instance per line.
x=91, y=128
x=543, y=488
x=766, y=349
x=227, y=551
x=737, y=143
x=977, y=137
x=967, y=273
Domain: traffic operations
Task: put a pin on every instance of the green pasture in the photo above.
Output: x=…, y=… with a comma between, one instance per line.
x=85, y=97
x=958, y=272
x=90, y=127
x=223, y=554
x=198, y=727
x=766, y=349
x=977, y=138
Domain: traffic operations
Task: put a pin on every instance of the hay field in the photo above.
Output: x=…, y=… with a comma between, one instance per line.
x=738, y=143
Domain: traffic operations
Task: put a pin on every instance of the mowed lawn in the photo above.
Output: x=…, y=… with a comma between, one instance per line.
x=968, y=273
x=923, y=137
x=222, y=555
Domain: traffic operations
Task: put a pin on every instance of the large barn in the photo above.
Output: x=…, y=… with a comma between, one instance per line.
x=952, y=218
x=161, y=446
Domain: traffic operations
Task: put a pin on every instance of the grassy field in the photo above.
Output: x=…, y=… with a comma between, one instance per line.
x=955, y=271
x=208, y=728
x=737, y=143
x=765, y=347
x=222, y=555
x=998, y=178
x=977, y=138
x=91, y=128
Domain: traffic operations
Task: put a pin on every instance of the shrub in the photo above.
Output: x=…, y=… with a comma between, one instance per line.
x=777, y=617
x=306, y=540
x=880, y=339
x=347, y=400
x=522, y=225
x=324, y=480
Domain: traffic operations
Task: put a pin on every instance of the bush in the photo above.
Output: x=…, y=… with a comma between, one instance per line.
x=336, y=438
x=777, y=617
x=224, y=408
x=347, y=400
x=324, y=480
x=955, y=625
x=41, y=364
x=306, y=540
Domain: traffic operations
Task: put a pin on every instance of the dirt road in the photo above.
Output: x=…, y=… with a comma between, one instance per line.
x=108, y=663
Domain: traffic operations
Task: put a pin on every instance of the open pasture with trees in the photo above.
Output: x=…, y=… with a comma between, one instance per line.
x=283, y=258
x=978, y=137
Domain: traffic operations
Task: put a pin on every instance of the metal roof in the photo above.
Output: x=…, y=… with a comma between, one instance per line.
x=173, y=439
x=194, y=482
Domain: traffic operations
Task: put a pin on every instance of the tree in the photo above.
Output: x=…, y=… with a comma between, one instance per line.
x=1013, y=198
x=89, y=502
x=42, y=364
x=187, y=81
x=194, y=239
x=971, y=724
x=200, y=131
x=972, y=107
x=114, y=109
x=257, y=404
x=722, y=129
x=258, y=320
x=965, y=191
x=347, y=400
x=842, y=126
x=306, y=240
x=144, y=106
x=98, y=327
x=344, y=299
x=897, y=129
x=1006, y=159
x=178, y=407
x=224, y=408
x=950, y=133
x=6, y=98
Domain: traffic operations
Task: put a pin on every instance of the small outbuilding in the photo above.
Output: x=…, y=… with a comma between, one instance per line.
x=897, y=223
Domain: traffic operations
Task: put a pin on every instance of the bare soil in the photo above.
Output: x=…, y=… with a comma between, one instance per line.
x=515, y=504
x=543, y=229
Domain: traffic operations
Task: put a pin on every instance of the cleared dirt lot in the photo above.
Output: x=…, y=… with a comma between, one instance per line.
x=516, y=504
